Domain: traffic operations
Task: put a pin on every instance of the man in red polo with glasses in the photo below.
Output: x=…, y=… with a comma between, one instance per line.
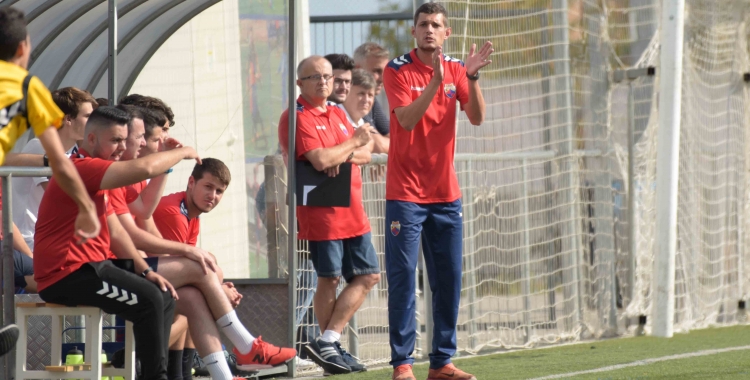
x=340, y=239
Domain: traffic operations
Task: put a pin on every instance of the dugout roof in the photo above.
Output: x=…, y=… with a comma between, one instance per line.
x=69, y=38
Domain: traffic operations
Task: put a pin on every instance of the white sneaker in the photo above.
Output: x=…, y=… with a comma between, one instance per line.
x=303, y=363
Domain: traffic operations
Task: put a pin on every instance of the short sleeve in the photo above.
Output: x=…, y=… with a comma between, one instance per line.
x=92, y=171
x=110, y=207
x=173, y=226
x=42, y=110
x=117, y=201
x=396, y=89
x=284, y=132
x=462, y=85
x=307, y=135
x=132, y=192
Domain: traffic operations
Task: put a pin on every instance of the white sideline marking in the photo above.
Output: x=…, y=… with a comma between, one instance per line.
x=645, y=362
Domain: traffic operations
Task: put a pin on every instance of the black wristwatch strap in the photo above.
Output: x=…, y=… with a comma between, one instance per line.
x=473, y=77
x=146, y=272
x=45, y=160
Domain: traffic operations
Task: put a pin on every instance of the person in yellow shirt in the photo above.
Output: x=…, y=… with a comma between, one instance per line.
x=38, y=112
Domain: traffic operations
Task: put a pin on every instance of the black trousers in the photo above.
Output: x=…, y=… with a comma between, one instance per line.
x=150, y=309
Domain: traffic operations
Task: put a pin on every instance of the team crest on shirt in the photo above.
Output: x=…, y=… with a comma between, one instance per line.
x=395, y=228
x=343, y=129
x=450, y=90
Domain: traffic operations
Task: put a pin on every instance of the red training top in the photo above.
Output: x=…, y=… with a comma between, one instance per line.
x=56, y=253
x=171, y=218
x=133, y=191
x=318, y=129
x=420, y=162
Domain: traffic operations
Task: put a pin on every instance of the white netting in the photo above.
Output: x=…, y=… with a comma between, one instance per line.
x=545, y=178
x=712, y=171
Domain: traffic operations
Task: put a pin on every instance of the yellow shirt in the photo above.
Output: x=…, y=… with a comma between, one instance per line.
x=41, y=109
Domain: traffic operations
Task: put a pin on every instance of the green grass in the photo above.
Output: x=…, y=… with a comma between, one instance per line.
x=585, y=356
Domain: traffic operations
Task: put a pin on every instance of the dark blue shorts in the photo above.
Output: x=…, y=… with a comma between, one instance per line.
x=348, y=257
x=22, y=266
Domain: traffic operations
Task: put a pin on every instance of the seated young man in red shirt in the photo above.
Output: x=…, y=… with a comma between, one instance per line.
x=177, y=218
x=193, y=273
x=71, y=273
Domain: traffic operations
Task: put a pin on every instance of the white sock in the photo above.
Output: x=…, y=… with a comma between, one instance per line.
x=231, y=326
x=217, y=366
x=330, y=336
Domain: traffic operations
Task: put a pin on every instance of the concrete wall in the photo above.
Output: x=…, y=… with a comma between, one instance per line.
x=197, y=73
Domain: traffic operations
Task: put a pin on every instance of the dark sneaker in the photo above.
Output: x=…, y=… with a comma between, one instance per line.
x=327, y=355
x=350, y=360
x=8, y=338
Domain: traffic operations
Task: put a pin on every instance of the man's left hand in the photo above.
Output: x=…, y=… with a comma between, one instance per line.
x=477, y=60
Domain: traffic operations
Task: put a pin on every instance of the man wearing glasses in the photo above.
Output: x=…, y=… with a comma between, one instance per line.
x=339, y=237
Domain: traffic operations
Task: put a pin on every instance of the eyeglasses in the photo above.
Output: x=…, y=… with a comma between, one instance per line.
x=345, y=82
x=318, y=77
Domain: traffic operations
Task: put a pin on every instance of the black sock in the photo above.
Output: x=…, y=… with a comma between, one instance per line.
x=174, y=365
x=187, y=363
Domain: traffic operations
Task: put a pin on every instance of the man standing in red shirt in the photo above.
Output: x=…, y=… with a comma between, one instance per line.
x=340, y=238
x=422, y=193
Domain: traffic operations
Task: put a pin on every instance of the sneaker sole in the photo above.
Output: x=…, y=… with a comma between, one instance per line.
x=332, y=368
x=8, y=338
x=255, y=367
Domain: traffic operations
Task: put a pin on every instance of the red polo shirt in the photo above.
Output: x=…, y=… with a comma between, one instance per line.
x=318, y=129
x=56, y=252
x=133, y=191
x=171, y=218
x=420, y=162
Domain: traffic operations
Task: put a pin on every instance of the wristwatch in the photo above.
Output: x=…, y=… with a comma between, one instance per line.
x=45, y=160
x=146, y=272
x=472, y=77
x=351, y=155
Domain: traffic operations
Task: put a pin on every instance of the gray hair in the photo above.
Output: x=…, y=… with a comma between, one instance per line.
x=370, y=49
x=363, y=78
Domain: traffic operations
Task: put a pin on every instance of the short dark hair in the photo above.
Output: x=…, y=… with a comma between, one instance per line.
x=12, y=32
x=151, y=120
x=106, y=117
x=70, y=99
x=340, y=61
x=134, y=112
x=214, y=167
x=431, y=9
x=102, y=101
x=154, y=104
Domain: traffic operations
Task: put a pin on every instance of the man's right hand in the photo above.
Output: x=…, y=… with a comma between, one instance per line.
x=87, y=224
x=363, y=135
x=171, y=143
x=202, y=257
x=162, y=283
x=437, y=64
x=190, y=154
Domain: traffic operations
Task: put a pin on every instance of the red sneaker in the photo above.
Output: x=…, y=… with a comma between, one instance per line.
x=403, y=372
x=263, y=355
x=449, y=371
